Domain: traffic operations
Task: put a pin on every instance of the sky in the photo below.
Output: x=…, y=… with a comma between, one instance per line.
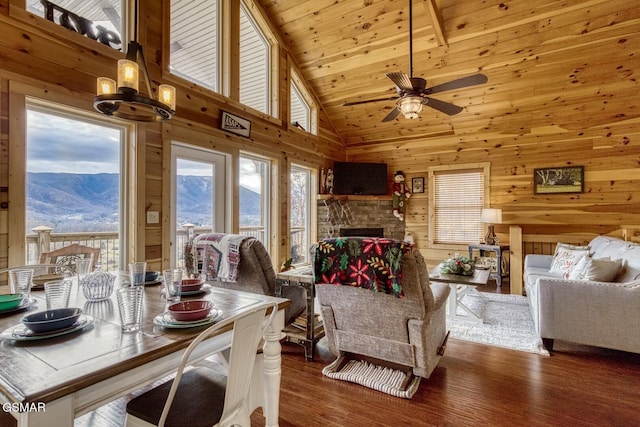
x=58, y=144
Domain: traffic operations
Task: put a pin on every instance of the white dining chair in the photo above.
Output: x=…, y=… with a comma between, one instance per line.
x=202, y=396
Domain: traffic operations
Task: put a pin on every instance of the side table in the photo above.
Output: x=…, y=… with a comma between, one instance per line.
x=499, y=251
x=302, y=277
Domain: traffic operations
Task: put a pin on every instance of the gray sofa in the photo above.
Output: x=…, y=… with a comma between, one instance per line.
x=602, y=314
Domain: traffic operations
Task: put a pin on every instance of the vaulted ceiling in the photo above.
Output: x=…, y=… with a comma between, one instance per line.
x=552, y=66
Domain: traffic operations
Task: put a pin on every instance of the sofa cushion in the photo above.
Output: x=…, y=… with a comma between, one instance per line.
x=566, y=257
x=532, y=274
x=596, y=269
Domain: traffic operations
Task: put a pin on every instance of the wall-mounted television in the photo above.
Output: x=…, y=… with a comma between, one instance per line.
x=359, y=178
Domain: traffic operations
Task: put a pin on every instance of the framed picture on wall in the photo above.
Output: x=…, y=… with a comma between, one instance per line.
x=561, y=180
x=417, y=185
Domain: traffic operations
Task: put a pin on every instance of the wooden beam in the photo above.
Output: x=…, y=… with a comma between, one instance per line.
x=436, y=21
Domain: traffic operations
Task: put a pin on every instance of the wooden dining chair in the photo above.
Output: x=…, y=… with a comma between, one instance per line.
x=202, y=396
x=67, y=255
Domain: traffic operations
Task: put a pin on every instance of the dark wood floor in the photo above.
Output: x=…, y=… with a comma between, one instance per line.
x=473, y=385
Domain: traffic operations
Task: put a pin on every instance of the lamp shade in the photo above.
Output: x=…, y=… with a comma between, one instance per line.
x=127, y=75
x=491, y=216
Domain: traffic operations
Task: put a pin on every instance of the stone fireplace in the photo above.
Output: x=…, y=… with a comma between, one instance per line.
x=355, y=215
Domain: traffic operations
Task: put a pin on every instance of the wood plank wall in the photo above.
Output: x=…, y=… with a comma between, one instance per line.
x=60, y=64
x=610, y=154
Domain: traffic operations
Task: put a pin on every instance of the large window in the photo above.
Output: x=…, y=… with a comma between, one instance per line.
x=255, y=197
x=456, y=199
x=74, y=184
x=302, y=213
x=194, y=51
x=198, y=195
x=255, y=62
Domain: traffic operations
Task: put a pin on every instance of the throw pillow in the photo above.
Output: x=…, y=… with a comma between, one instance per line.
x=566, y=257
x=577, y=273
x=596, y=269
x=602, y=270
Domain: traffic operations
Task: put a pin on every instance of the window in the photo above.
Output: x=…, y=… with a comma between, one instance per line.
x=255, y=63
x=198, y=184
x=302, y=114
x=75, y=184
x=105, y=17
x=302, y=215
x=194, y=51
x=255, y=196
x=456, y=199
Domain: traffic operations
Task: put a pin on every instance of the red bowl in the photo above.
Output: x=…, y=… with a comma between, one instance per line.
x=186, y=311
x=191, y=285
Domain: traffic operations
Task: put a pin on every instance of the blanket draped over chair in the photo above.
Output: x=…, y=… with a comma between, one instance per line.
x=214, y=256
x=374, y=263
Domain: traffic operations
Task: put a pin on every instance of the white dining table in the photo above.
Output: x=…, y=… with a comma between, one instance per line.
x=50, y=382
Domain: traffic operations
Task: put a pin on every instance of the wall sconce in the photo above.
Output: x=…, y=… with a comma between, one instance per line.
x=491, y=216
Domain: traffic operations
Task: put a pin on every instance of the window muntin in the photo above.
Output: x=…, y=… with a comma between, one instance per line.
x=194, y=51
x=70, y=189
x=456, y=199
x=255, y=198
x=300, y=199
x=255, y=63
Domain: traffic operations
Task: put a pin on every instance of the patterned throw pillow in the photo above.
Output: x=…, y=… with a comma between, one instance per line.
x=566, y=257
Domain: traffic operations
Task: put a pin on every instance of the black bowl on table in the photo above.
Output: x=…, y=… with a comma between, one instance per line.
x=51, y=320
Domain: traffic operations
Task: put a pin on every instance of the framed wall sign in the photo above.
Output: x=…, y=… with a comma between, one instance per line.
x=417, y=185
x=234, y=124
x=569, y=179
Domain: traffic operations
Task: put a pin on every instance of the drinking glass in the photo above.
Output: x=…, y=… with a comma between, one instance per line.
x=20, y=282
x=130, y=307
x=83, y=267
x=172, y=285
x=137, y=273
x=57, y=293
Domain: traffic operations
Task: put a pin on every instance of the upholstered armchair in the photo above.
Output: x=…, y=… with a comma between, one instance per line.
x=243, y=264
x=397, y=317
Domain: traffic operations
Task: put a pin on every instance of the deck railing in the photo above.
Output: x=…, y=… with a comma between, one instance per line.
x=44, y=240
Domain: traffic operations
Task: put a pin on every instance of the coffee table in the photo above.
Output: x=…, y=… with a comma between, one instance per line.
x=461, y=286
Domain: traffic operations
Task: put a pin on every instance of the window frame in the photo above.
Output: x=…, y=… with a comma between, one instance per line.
x=298, y=85
x=24, y=97
x=267, y=199
x=484, y=169
x=311, y=217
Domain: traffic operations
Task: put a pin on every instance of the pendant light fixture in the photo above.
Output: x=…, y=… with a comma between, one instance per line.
x=123, y=99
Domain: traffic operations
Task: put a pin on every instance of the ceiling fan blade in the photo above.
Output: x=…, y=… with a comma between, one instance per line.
x=473, y=80
x=392, y=115
x=390, y=98
x=445, y=107
x=401, y=80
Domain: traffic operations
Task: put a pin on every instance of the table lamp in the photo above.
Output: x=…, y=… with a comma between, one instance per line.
x=491, y=216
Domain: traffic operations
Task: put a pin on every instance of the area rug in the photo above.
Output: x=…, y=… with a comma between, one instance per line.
x=507, y=323
x=385, y=379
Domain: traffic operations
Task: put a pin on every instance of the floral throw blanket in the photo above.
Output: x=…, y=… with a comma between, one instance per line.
x=370, y=263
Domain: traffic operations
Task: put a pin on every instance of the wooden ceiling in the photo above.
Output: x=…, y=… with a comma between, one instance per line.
x=553, y=66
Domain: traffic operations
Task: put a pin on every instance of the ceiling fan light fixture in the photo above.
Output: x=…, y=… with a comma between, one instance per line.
x=410, y=106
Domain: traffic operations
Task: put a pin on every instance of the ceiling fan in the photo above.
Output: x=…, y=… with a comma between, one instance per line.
x=413, y=93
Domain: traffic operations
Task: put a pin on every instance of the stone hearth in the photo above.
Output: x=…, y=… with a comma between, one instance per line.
x=335, y=214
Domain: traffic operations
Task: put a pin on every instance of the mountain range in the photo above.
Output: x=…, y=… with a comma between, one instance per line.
x=70, y=202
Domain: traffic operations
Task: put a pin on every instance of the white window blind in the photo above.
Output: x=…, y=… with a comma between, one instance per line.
x=300, y=111
x=255, y=65
x=458, y=201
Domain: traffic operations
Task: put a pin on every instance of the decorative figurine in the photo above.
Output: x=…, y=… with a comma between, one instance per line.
x=400, y=195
